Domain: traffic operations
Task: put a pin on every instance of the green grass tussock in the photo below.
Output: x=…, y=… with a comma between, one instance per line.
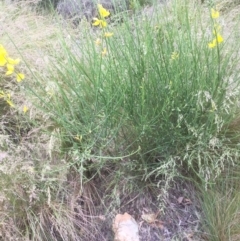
x=153, y=90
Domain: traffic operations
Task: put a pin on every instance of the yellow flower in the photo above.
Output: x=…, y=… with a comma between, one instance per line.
x=10, y=69
x=3, y=56
x=25, y=109
x=219, y=38
x=10, y=103
x=2, y=94
x=20, y=77
x=104, y=52
x=3, y=50
x=99, y=22
x=13, y=61
x=96, y=22
x=78, y=138
x=3, y=60
x=214, y=13
x=108, y=34
x=212, y=44
x=98, y=41
x=8, y=100
x=175, y=55
x=102, y=11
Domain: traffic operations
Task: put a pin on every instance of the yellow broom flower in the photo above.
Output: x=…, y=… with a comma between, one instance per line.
x=10, y=69
x=8, y=100
x=102, y=11
x=13, y=61
x=212, y=44
x=25, y=109
x=3, y=56
x=20, y=77
x=2, y=94
x=99, y=22
x=219, y=38
x=214, y=13
x=108, y=34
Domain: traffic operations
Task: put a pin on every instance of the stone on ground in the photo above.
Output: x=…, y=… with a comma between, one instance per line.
x=125, y=228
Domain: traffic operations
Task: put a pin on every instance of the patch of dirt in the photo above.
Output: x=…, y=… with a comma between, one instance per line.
x=180, y=220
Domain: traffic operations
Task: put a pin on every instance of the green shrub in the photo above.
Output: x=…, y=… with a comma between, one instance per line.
x=157, y=90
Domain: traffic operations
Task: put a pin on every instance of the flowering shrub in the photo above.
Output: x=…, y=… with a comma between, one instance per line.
x=101, y=22
x=216, y=31
x=9, y=66
x=153, y=92
x=103, y=13
x=7, y=98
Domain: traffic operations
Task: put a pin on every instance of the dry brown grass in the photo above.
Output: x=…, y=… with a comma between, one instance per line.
x=230, y=11
x=30, y=159
x=23, y=31
x=221, y=208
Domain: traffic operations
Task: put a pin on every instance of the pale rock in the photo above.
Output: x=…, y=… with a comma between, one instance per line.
x=125, y=228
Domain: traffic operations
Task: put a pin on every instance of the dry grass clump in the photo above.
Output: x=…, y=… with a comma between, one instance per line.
x=220, y=204
x=33, y=36
x=231, y=12
x=227, y=6
x=41, y=197
x=33, y=172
